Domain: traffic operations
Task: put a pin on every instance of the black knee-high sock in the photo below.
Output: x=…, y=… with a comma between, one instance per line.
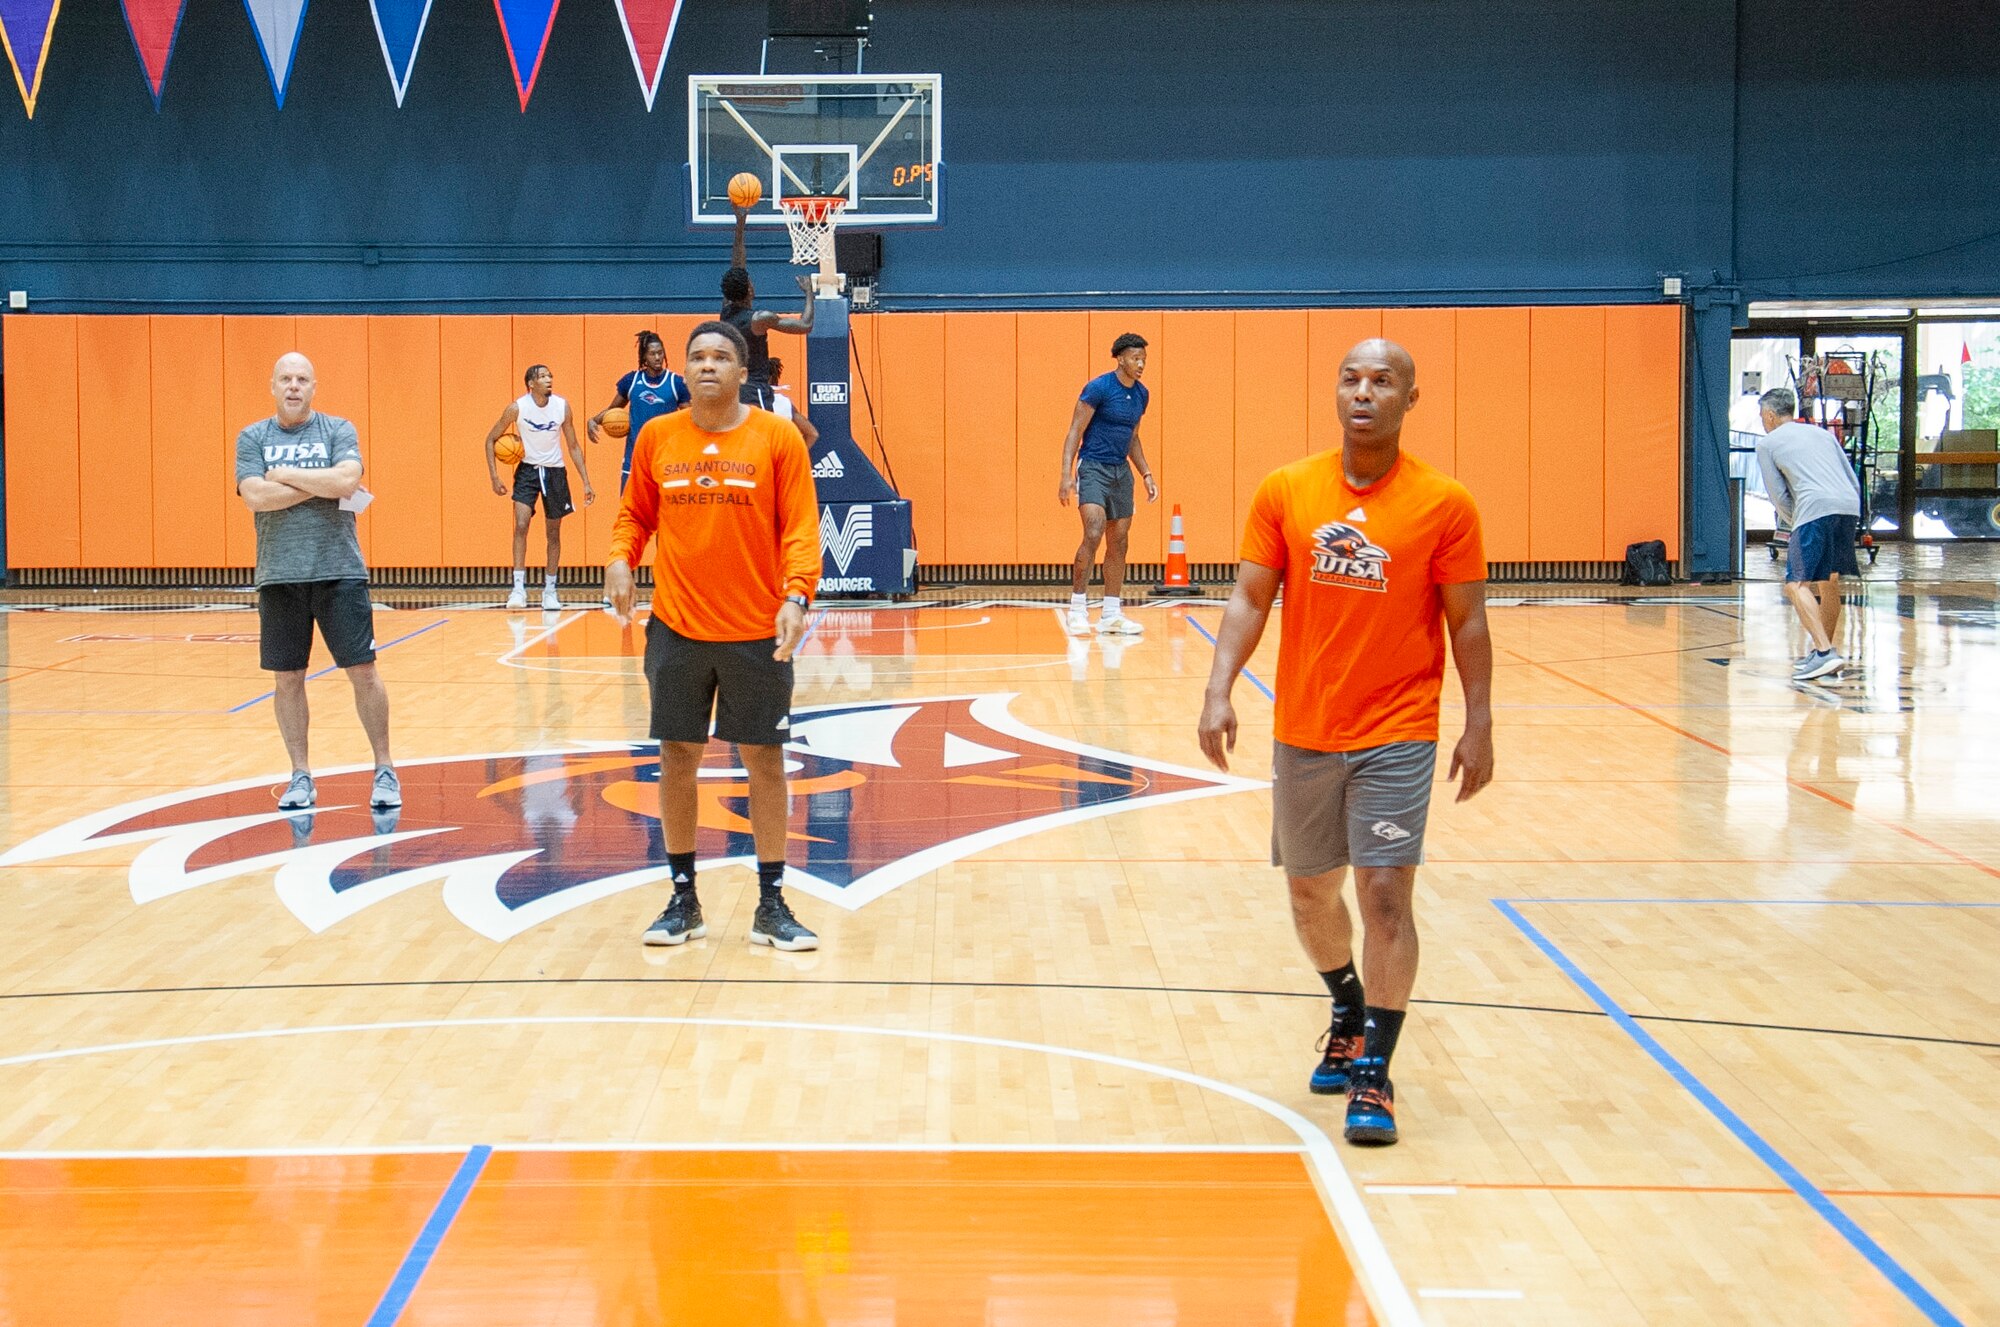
x=1384, y=1026
x=1344, y=985
x=680, y=869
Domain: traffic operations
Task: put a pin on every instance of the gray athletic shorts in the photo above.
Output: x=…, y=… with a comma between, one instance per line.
x=1331, y=809
x=1101, y=484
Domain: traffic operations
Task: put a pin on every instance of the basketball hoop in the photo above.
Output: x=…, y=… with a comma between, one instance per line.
x=810, y=219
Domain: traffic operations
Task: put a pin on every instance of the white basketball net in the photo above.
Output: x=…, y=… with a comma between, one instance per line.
x=810, y=221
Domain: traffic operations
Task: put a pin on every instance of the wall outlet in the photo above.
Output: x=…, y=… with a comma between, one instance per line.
x=17, y=299
x=1670, y=287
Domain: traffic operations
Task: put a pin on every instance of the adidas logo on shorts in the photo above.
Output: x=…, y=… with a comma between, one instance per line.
x=1388, y=829
x=829, y=467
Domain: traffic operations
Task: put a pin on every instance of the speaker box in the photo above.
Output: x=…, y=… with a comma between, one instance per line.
x=858, y=253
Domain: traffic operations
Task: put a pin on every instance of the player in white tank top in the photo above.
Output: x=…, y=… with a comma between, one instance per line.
x=543, y=423
x=540, y=426
x=779, y=402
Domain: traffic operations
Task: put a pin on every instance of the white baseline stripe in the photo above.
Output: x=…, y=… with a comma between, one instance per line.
x=1385, y=1289
x=1469, y=1294
x=1436, y=1190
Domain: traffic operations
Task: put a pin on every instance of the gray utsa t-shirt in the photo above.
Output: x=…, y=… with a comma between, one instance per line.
x=314, y=541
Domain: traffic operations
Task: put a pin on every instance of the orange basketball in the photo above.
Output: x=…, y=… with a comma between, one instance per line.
x=745, y=190
x=507, y=451
x=616, y=422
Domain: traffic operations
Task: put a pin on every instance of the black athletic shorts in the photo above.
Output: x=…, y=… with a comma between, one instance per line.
x=1101, y=484
x=548, y=482
x=749, y=692
x=285, y=617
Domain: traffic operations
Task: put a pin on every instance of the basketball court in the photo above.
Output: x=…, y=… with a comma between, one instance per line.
x=1703, y=1030
x=1703, y=1026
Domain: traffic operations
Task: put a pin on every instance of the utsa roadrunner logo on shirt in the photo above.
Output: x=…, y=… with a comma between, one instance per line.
x=882, y=792
x=1343, y=556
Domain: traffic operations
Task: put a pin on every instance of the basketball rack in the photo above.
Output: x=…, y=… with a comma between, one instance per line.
x=810, y=220
x=1837, y=391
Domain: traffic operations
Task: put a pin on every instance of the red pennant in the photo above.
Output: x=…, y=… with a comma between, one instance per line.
x=154, y=24
x=649, y=33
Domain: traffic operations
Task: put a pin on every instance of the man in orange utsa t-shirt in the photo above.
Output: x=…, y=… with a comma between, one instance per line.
x=727, y=491
x=1379, y=555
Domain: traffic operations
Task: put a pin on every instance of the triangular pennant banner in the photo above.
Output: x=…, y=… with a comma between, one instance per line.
x=399, y=25
x=649, y=32
x=524, y=26
x=278, y=24
x=154, y=24
x=25, y=29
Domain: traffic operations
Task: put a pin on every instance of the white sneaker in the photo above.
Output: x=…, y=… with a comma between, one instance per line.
x=1119, y=625
x=551, y=601
x=518, y=599
x=1077, y=622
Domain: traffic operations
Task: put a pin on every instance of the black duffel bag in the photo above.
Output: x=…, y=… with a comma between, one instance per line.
x=1646, y=564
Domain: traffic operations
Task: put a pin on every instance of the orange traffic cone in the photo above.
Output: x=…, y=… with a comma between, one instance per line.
x=1176, y=582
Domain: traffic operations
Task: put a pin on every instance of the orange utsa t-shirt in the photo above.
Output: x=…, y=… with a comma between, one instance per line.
x=1361, y=658
x=736, y=520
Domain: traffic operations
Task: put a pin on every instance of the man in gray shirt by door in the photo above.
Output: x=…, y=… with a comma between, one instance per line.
x=1813, y=487
x=293, y=470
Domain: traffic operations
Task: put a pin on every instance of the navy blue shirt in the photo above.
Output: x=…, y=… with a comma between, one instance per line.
x=644, y=403
x=1108, y=435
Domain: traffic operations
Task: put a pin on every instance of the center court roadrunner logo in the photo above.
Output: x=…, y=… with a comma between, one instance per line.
x=882, y=792
x=1342, y=555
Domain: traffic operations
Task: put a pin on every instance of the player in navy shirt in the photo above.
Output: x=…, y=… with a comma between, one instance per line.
x=645, y=394
x=1106, y=429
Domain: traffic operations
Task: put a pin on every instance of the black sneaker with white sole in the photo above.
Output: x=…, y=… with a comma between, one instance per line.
x=679, y=923
x=774, y=925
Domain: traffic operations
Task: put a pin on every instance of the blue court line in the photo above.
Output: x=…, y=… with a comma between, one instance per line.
x=330, y=667
x=1254, y=679
x=1863, y=1243
x=397, y=1297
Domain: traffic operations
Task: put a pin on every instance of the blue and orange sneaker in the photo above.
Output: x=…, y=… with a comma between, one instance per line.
x=1371, y=1103
x=1337, y=1053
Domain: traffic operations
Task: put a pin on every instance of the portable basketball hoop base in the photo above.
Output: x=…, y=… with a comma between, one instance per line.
x=810, y=219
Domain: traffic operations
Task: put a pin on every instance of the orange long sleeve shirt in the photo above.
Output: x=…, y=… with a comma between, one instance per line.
x=735, y=517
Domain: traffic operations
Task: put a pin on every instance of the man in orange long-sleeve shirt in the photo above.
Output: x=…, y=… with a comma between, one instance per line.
x=727, y=491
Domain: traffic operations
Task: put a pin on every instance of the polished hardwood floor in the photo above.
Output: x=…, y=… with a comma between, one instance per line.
x=1703, y=1031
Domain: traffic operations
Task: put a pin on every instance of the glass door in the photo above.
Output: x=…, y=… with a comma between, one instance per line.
x=1757, y=364
x=1851, y=383
x=1955, y=473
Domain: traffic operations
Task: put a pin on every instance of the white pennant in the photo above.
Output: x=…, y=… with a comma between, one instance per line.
x=278, y=24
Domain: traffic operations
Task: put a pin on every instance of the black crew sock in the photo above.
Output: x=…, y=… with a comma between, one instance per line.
x=1348, y=1004
x=1384, y=1026
x=680, y=869
x=770, y=879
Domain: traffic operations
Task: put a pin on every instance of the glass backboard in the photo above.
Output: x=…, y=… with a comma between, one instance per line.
x=871, y=138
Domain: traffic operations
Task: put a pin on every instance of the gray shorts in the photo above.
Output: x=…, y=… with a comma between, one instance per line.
x=1340, y=808
x=1101, y=484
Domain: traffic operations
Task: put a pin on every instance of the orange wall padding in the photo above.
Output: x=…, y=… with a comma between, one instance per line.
x=1564, y=422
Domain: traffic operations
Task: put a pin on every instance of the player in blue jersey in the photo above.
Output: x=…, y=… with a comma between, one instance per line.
x=644, y=394
x=1098, y=457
